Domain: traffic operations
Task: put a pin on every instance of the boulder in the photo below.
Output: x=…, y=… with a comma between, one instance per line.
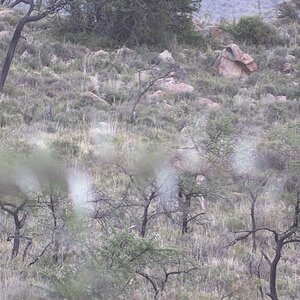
x=163, y=81
x=158, y=95
x=166, y=57
x=206, y=103
x=124, y=52
x=200, y=178
x=187, y=159
x=94, y=97
x=178, y=88
x=290, y=58
x=26, y=54
x=233, y=63
x=214, y=31
x=101, y=54
x=287, y=68
x=53, y=58
x=94, y=82
x=281, y=98
x=268, y=98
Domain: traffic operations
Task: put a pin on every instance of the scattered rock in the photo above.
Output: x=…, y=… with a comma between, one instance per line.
x=94, y=82
x=166, y=57
x=198, y=23
x=217, y=52
x=166, y=107
x=53, y=58
x=281, y=98
x=26, y=54
x=186, y=160
x=166, y=80
x=287, y=68
x=269, y=98
x=244, y=91
x=290, y=58
x=177, y=88
x=158, y=95
x=95, y=97
x=184, y=130
x=200, y=178
x=206, y=103
x=232, y=62
x=124, y=52
x=252, y=106
x=214, y=31
x=101, y=54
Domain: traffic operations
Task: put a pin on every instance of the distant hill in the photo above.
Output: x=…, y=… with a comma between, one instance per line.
x=234, y=9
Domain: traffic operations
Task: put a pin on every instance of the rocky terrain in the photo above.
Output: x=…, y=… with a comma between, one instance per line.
x=151, y=173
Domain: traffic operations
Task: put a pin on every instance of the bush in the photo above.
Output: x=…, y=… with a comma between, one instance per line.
x=132, y=22
x=289, y=11
x=253, y=30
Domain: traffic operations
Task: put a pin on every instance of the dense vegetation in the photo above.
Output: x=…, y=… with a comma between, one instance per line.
x=130, y=22
x=254, y=30
x=190, y=199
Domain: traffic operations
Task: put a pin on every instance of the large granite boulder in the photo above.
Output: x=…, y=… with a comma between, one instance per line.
x=232, y=62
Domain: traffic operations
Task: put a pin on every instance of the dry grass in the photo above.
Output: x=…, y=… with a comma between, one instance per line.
x=48, y=110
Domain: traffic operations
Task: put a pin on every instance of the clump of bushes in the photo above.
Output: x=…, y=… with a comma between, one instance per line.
x=253, y=30
x=131, y=22
x=289, y=11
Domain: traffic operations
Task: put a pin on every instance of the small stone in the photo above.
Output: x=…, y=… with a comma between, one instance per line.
x=287, y=68
x=290, y=58
x=206, y=102
x=158, y=95
x=124, y=52
x=281, y=98
x=166, y=57
x=269, y=98
x=178, y=88
x=101, y=54
x=200, y=178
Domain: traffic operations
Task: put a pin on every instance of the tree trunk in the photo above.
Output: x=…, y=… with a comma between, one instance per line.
x=16, y=244
x=145, y=220
x=273, y=271
x=253, y=223
x=185, y=214
x=10, y=52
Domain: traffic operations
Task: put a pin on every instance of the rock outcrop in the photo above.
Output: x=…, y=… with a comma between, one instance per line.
x=178, y=88
x=232, y=62
x=124, y=53
x=204, y=102
x=166, y=57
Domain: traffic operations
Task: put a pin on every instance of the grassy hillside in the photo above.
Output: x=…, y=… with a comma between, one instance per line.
x=155, y=206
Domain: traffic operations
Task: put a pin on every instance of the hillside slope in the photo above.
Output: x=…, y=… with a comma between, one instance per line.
x=132, y=174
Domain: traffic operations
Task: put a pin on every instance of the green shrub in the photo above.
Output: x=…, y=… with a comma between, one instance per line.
x=131, y=22
x=253, y=30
